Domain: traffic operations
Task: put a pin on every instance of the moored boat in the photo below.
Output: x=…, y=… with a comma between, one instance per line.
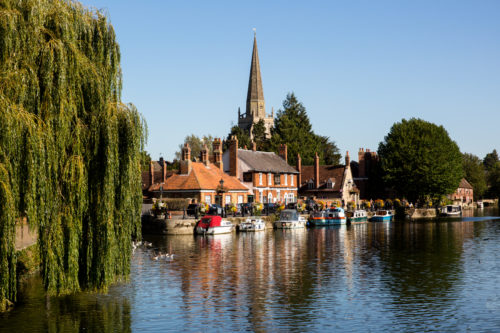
x=252, y=225
x=212, y=225
x=451, y=211
x=290, y=219
x=332, y=216
x=480, y=204
x=357, y=216
x=382, y=216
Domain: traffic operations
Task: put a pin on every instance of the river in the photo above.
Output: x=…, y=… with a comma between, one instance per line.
x=409, y=276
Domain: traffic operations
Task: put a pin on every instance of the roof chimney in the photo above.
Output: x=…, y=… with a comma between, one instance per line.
x=152, y=172
x=163, y=169
x=347, y=159
x=185, y=163
x=233, y=157
x=283, y=152
x=299, y=169
x=361, y=163
x=217, y=150
x=204, y=155
x=316, y=171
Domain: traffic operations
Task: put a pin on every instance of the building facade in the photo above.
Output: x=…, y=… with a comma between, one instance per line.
x=464, y=195
x=255, y=106
x=267, y=175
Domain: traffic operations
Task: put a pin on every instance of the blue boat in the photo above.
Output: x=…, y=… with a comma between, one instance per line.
x=382, y=216
x=332, y=216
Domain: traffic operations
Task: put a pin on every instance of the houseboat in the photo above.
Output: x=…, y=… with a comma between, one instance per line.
x=290, y=219
x=357, y=216
x=382, y=216
x=451, y=211
x=252, y=225
x=212, y=225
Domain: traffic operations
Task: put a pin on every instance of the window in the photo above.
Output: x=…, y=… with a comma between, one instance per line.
x=228, y=199
x=310, y=185
x=260, y=179
x=329, y=184
x=240, y=199
x=208, y=199
x=291, y=179
x=286, y=179
x=247, y=177
x=277, y=179
x=261, y=197
x=291, y=197
x=278, y=195
x=269, y=179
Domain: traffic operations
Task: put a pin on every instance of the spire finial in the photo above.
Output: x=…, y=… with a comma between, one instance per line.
x=254, y=32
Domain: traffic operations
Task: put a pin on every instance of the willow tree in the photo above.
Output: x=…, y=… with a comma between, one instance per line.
x=69, y=148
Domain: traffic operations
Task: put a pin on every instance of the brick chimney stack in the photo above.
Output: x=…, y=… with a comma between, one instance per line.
x=163, y=169
x=152, y=172
x=233, y=157
x=185, y=163
x=283, y=152
x=299, y=169
x=347, y=160
x=217, y=148
x=316, y=170
x=361, y=163
x=204, y=155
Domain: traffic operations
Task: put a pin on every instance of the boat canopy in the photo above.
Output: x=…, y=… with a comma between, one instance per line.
x=289, y=214
x=209, y=221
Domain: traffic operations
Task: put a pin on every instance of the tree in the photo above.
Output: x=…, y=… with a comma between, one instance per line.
x=419, y=159
x=145, y=160
x=494, y=181
x=242, y=135
x=196, y=144
x=474, y=173
x=259, y=135
x=292, y=127
x=490, y=160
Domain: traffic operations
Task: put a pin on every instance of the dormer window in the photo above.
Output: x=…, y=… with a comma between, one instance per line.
x=310, y=184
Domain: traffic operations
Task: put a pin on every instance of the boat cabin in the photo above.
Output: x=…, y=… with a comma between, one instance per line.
x=289, y=215
x=210, y=221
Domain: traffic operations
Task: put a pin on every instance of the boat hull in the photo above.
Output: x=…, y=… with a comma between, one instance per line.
x=289, y=225
x=381, y=219
x=214, y=230
x=321, y=222
x=354, y=220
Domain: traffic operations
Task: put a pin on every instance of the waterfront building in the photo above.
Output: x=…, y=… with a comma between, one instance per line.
x=464, y=195
x=203, y=180
x=266, y=174
x=327, y=182
x=255, y=105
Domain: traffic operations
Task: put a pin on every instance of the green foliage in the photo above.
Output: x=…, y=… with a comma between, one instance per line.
x=475, y=174
x=145, y=161
x=177, y=203
x=196, y=144
x=494, y=181
x=419, y=159
x=69, y=149
x=490, y=160
x=243, y=138
x=259, y=136
x=292, y=127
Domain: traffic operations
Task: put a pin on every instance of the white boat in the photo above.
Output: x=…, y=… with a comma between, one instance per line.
x=252, y=225
x=451, y=210
x=290, y=219
x=358, y=216
x=213, y=225
x=382, y=216
x=480, y=204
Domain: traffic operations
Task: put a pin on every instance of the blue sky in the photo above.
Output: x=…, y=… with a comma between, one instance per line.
x=357, y=66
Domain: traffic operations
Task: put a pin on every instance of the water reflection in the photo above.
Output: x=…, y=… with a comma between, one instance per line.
x=390, y=276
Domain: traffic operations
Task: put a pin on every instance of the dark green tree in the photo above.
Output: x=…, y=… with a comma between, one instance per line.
x=490, y=160
x=494, y=181
x=292, y=127
x=259, y=135
x=145, y=160
x=242, y=135
x=474, y=173
x=418, y=159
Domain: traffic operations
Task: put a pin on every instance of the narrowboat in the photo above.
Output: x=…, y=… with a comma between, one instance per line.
x=212, y=225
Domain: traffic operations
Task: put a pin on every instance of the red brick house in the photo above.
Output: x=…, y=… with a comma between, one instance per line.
x=464, y=195
x=200, y=181
x=327, y=182
x=267, y=175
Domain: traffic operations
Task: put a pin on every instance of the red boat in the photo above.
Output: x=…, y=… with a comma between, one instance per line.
x=212, y=224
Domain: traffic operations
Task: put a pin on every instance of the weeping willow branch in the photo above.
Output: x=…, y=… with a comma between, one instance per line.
x=69, y=149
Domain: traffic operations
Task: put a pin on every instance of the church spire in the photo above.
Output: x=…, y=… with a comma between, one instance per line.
x=255, y=95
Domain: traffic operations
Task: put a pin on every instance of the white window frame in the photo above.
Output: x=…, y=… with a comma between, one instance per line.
x=286, y=179
x=260, y=178
x=278, y=195
x=228, y=199
x=269, y=179
x=208, y=199
x=291, y=181
x=240, y=199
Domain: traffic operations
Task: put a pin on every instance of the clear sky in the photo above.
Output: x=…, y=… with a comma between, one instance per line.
x=357, y=66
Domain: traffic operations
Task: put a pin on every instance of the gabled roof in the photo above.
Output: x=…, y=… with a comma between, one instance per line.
x=262, y=161
x=464, y=184
x=201, y=177
x=334, y=172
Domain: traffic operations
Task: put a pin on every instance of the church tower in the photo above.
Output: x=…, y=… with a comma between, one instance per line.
x=255, y=108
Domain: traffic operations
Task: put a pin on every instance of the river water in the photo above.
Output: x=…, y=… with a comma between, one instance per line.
x=409, y=276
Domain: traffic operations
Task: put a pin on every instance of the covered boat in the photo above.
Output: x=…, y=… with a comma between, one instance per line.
x=333, y=216
x=212, y=224
x=451, y=210
x=357, y=216
x=382, y=216
x=252, y=224
x=290, y=219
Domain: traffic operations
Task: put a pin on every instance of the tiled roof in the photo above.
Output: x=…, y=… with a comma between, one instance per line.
x=333, y=172
x=265, y=161
x=464, y=184
x=201, y=177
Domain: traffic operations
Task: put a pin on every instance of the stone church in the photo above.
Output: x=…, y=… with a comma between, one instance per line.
x=255, y=108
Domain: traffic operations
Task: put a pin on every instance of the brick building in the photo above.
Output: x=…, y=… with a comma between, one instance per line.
x=464, y=195
x=267, y=175
x=327, y=182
